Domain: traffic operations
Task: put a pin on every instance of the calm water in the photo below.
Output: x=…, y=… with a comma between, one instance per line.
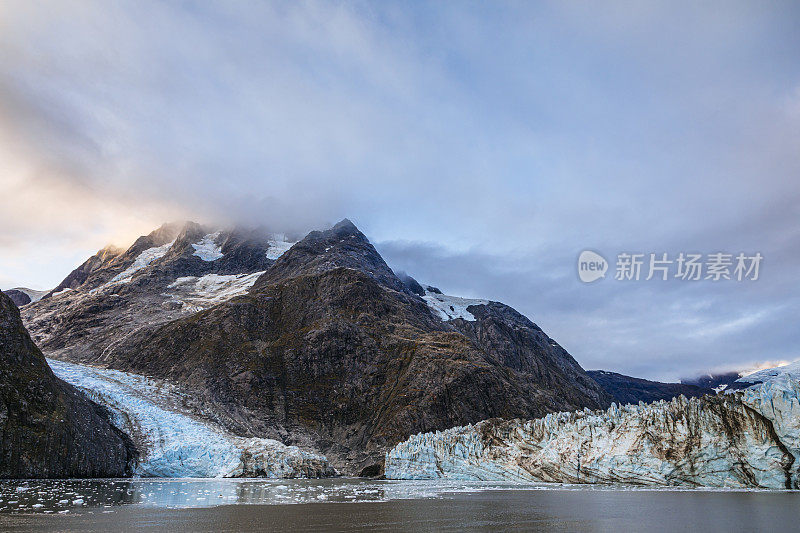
x=352, y=505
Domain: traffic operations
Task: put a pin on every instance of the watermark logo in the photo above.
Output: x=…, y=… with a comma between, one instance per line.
x=591, y=266
x=685, y=266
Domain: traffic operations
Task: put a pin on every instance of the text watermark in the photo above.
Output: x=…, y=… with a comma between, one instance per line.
x=685, y=266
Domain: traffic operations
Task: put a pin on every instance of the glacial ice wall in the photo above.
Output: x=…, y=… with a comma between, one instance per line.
x=173, y=443
x=747, y=439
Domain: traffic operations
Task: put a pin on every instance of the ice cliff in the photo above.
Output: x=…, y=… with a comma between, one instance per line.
x=173, y=442
x=750, y=438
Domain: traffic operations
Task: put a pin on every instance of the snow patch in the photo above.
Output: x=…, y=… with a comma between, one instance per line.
x=194, y=293
x=174, y=443
x=451, y=307
x=207, y=249
x=141, y=261
x=278, y=246
x=62, y=291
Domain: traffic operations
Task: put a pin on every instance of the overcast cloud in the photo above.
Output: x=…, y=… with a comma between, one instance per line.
x=481, y=146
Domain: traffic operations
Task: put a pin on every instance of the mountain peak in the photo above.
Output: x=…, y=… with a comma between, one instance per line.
x=342, y=246
x=345, y=224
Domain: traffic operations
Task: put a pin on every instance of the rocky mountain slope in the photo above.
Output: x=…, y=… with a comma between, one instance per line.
x=627, y=389
x=47, y=428
x=749, y=438
x=328, y=349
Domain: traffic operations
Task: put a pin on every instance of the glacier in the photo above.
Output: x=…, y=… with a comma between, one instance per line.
x=208, y=249
x=174, y=443
x=278, y=246
x=748, y=438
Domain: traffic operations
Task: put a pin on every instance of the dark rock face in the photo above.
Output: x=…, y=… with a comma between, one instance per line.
x=341, y=246
x=18, y=297
x=78, y=276
x=48, y=429
x=626, y=389
x=330, y=350
x=412, y=285
x=512, y=341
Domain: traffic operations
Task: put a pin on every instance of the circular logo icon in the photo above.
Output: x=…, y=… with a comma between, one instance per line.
x=591, y=266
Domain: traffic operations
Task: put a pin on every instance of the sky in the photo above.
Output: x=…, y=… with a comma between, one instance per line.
x=481, y=146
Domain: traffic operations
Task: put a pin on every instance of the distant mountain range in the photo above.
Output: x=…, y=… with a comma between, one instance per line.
x=627, y=389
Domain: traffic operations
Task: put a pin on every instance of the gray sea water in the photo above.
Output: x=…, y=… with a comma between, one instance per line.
x=361, y=505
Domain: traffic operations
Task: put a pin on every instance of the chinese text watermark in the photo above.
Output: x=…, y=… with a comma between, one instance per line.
x=683, y=266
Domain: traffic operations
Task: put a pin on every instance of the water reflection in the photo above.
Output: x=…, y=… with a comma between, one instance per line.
x=69, y=496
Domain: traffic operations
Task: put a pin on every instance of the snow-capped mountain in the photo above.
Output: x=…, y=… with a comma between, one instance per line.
x=316, y=344
x=178, y=269
x=717, y=382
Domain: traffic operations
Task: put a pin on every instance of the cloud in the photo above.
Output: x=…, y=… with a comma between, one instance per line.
x=663, y=330
x=509, y=136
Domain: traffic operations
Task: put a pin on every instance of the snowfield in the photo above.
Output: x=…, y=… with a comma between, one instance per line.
x=778, y=373
x=173, y=442
x=194, y=293
x=451, y=307
x=141, y=261
x=278, y=246
x=207, y=249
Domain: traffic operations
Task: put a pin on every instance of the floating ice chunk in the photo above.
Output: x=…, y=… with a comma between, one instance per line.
x=451, y=307
x=207, y=249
